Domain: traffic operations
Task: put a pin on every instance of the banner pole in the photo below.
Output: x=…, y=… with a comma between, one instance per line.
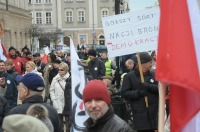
x=142, y=77
x=161, y=112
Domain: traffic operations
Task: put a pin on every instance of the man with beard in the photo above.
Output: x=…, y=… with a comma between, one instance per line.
x=18, y=62
x=144, y=118
x=98, y=106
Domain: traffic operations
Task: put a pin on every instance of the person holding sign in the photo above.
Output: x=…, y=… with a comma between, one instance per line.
x=144, y=116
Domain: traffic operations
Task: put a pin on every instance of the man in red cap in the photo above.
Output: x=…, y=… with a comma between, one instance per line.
x=97, y=104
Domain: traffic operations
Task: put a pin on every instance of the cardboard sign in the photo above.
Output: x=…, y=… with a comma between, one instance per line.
x=131, y=32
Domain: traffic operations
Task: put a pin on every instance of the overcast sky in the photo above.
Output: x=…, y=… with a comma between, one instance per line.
x=140, y=4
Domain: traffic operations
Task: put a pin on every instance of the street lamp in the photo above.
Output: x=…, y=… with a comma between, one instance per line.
x=58, y=36
x=93, y=31
x=127, y=7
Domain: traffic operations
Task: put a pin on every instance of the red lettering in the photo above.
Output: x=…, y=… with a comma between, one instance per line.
x=141, y=41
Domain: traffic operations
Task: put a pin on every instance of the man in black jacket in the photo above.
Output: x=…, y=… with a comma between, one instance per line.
x=97, y=104
x=8, y=86
x=144, y=117
x=96, y=66
x=30, y=90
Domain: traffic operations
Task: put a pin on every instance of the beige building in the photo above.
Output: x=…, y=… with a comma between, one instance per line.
x=78, y=19
x=16, y=19
x=81, y=19
x=57, y=20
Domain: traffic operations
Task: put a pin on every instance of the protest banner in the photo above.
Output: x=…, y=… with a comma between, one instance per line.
x=131, y=32
x=78, y=83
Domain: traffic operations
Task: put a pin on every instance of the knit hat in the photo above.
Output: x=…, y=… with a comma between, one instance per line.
x=92, y=52
x=107, y=77
x=96, y=89
x=11, y=48
x=28, y=53
x=32, y=81
x=23, y=123
x=36, y=55
x=145, y=57
x=40, y=111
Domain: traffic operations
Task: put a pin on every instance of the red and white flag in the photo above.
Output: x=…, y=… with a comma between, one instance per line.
x=178, y=60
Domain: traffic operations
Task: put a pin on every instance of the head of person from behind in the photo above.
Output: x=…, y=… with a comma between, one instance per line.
x=29, y=85
x=92, y=54
x=63, y=69
x=23, y=123
x=96, y=99
x=51, y=57
x=56, y=64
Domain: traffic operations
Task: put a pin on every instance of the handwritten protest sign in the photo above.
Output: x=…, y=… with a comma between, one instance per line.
x=131, y=32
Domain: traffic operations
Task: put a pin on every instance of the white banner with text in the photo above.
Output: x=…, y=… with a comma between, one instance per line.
x=131, y=32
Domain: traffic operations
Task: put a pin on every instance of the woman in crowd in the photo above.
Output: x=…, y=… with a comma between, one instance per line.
x=57, y=89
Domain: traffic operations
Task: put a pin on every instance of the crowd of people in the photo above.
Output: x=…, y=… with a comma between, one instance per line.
x=32, y=88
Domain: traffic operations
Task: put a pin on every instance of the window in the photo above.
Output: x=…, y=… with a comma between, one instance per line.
x=38, y=18
x=81, y=15
x=47, y=1
x=48, y=17
x=38, y=1
x=69, y=15
x=29, y=1
x=104, y=12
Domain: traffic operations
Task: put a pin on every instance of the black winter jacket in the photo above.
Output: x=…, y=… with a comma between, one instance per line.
x=11, y=91
x=22, y=109
x=110, y=122
x=4, y=108
x=143, y=118
x=97, y=68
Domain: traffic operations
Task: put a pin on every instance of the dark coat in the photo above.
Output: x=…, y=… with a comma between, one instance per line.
x=11, y=91
x=53, y=116
x=52, y=74
x=12, y=72
x=108, y=123
x=4, y=108
x=96, y=68
x=144, y=118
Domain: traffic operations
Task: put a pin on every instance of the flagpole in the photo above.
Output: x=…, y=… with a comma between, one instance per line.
x=161, y=112
x=142, y=77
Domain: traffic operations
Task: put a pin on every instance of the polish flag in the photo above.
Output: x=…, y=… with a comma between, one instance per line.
x=178, y=61
x=45, y=58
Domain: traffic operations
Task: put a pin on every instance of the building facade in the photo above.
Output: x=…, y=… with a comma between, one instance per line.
x=15, y=17
x=81, y=19
x=78, y=19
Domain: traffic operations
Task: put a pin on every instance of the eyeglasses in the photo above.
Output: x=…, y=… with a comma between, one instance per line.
x=60, y=69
